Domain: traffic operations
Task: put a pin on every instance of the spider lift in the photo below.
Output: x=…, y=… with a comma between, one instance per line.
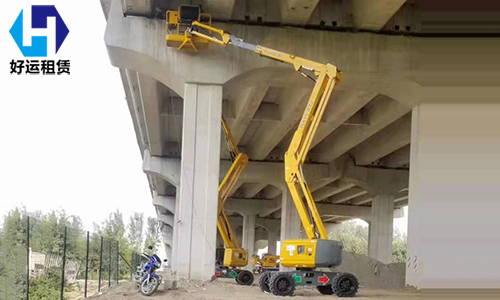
x=232, y=257
x=307, y=254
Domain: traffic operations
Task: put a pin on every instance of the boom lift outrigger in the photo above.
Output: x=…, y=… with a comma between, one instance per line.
x=317, y=251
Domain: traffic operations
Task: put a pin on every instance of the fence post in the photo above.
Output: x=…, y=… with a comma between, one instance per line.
x=28, y=259
x=63, y=262
x=87, y=264
x=100, y=267
x=109, y=270
x=117, y=262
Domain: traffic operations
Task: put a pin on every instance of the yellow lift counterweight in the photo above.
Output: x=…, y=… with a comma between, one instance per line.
x=317, y=251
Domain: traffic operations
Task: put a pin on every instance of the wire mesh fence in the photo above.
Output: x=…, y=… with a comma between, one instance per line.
x=66, y=264
x=136, y=262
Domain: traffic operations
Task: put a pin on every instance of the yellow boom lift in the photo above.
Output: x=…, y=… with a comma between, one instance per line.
x=268, y=262
x=232, y=256
x=317, y=250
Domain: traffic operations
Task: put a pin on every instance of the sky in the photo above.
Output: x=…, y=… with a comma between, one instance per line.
x=68, y=142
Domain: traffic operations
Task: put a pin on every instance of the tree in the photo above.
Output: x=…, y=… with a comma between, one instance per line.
x=353, y=236
x=114, y=227
x=13, y=256
x=47, y=236
x=399, y=245
x=355, y=240
x=113, y=230
x=135, y=231
x=152, y=236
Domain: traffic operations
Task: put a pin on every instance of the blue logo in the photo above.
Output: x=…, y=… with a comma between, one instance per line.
x=39, y=15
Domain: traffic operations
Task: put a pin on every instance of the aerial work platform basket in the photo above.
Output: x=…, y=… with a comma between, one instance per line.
x=180, y=20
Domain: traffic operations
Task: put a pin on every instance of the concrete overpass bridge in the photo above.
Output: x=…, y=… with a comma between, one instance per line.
x=359, y=165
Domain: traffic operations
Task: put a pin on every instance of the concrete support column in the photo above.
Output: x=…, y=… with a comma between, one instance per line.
x=167, y=233
x=199, y=181
x=249, y=221
x=381, y=227
x=272, y=240
x=291, y=227
x=173, y=262
x=453, y=238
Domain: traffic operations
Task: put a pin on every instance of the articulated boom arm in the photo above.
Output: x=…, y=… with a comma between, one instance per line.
x=240, y=161
x=326, y=77
x=299, y=147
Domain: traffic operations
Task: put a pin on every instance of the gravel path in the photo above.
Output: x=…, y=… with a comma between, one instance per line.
x=228, y=289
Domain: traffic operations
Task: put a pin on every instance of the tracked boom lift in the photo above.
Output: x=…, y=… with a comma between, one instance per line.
x=317, y=250
x=232, y=256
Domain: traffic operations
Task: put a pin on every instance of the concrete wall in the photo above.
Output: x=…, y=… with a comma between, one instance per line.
x=454, y=195
x=373, y=273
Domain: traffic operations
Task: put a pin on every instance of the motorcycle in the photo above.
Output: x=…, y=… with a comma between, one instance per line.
x=145, y=277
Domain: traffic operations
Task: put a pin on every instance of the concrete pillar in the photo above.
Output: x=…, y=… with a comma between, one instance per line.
x=381, y=227
x=167, y=233
x=168, y=254
x=199, y=181
x=248, y=243
x=272, y=241
x=291, y=227
x=453, y=238
x=173, y=262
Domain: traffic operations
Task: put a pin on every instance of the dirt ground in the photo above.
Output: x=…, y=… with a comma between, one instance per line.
x=228, y=289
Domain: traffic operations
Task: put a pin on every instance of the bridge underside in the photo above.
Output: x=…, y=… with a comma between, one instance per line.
x=359, y=164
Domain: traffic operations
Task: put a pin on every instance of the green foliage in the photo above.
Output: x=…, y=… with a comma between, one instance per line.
x=113, y=228
x=152, y=236
x=47, y=287
x=13, y=256
x=355, y=240
x=135, y=231
x=353, y=236
x=47, y=236
x=399, y=246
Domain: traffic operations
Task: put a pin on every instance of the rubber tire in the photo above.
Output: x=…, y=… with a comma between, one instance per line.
x=278, y=277
x=264, y=282
x=245, y=277
x=154, y=289
x=337, y=288
x=325, y=289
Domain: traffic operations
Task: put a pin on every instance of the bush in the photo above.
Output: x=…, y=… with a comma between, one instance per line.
x=353, y=236
x=355, y=239
x=46, y=288
x=399, y=245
